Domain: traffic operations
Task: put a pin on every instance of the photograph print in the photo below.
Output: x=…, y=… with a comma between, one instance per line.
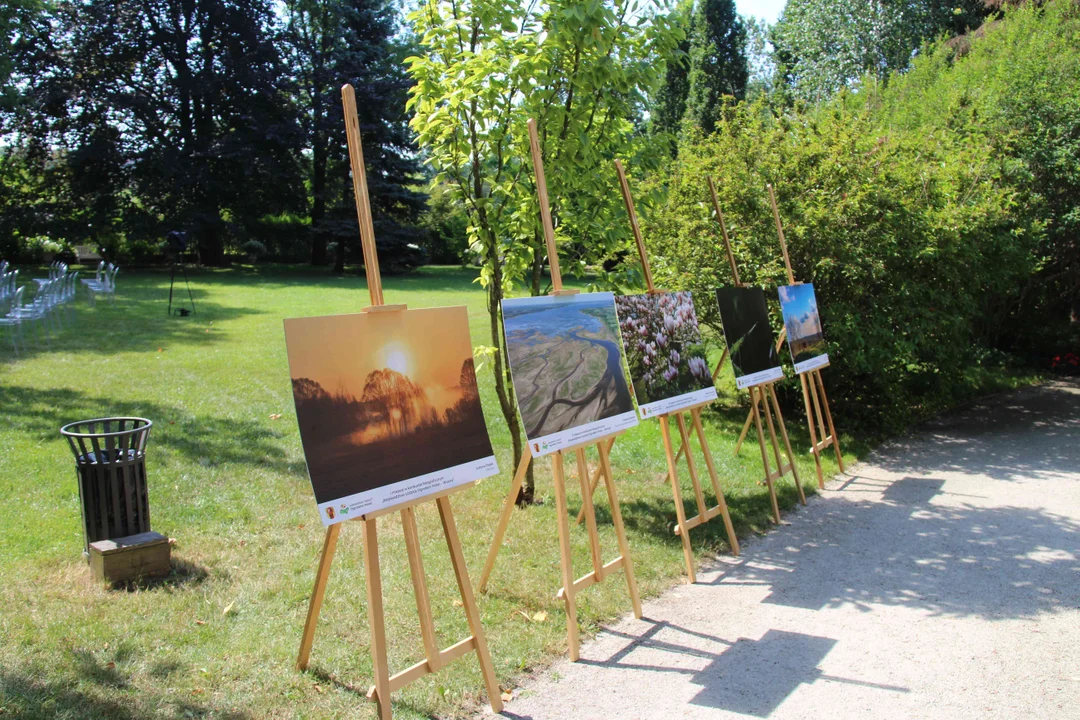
x=566, y=364
x=388, y=407
x=751, y=350
x=664, y=352
x=803, y=324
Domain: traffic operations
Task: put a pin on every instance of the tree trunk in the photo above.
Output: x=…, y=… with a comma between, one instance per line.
x=503, y=385
x=318, y=201
x=339, y=259
x=538, y=263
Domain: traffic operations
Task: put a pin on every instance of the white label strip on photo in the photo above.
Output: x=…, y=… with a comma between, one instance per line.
x=582, y=434
x=353, y=506
x=759, y=378
x=679, y=402
x=812, y=364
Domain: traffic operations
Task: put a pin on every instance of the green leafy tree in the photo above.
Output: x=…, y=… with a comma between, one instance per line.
x=824, y=45
x=936, y=214
x=182, y=104
x=19, y=22
x=329, y=44
x=717, y=61
x=584, y=71
x=670, y=105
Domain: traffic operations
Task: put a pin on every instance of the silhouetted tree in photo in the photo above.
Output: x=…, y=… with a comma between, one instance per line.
x=400, y=400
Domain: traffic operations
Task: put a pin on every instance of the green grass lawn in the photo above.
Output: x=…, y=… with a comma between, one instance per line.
x=228, y=482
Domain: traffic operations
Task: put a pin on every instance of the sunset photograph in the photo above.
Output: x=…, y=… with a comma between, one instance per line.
x=384, y=397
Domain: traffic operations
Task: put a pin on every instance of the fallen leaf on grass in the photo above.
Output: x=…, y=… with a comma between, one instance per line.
x=319, y=688
x=507, y=696
x=161, y=349
x=110, y=666
x=275, y=416
x=228, y=608
x=200, y=622
x=458, y=603
x=539, y=616
x=197, y=691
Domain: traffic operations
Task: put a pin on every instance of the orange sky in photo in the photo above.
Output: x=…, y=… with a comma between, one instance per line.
x=339, y=351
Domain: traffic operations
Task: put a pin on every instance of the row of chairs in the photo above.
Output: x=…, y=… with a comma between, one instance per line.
x=8, y=281
x=103, y=282
x=53, y=303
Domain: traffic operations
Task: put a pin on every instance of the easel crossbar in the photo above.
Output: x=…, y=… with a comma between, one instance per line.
x=693, y=522
x=426, y=667
x=594, y=577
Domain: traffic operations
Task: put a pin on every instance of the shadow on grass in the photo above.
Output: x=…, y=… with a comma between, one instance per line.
x=182, y=574
x=331, y=679
x=204, y=439
x=109, y=697
x=130, y=324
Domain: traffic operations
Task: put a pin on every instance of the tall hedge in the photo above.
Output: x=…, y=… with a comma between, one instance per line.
x=936, y=213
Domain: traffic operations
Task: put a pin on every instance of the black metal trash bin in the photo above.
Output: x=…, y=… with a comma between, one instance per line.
x=110, y=461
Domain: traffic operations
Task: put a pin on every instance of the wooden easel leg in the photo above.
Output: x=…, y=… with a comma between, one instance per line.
x=680, y=512
x=787, y=444
x=468, y=601
x=620, y=531
x=595, y=478
x=376, y=619
x=504, y=519
x=774, y=439
x=699, y=496
x=764, y=455
x=420, y=590
x=590, y=512
x=733, y=539
x=828, y=418
x=810, y=424
x=317, y=593
x=746, y=425
x=565, y=556
x=817, y=409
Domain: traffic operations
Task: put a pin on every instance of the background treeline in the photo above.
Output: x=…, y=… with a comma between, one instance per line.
x=123, y=119
x=926, y=154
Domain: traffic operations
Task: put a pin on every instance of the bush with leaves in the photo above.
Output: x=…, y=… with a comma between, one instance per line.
x=936, y=215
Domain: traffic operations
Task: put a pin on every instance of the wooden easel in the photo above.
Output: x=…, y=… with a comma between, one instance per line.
x=600, y=570
x=705, y=514
x=386, y=684
x=813, y=387
x=821, y=413
x=763, y=396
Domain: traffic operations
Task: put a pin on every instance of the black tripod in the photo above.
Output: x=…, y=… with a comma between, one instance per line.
x=183, y=311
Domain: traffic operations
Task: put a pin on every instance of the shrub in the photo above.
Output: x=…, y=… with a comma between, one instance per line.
x=936, y=214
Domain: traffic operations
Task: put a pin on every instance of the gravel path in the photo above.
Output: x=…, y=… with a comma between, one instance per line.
x=939, y=579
